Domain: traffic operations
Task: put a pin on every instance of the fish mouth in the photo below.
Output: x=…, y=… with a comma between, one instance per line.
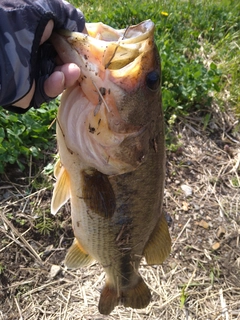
x=125, y=45
x=114, y=64
x=106, y=47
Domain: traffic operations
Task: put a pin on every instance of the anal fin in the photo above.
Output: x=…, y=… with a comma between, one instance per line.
x=77, y=257
x=158, y=246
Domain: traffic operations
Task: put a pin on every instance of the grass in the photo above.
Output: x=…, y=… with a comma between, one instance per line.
x=27, y=136
x=199, y=46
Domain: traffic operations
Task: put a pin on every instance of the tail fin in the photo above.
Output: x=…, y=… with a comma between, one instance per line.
x=137, y=297
x=108, y=300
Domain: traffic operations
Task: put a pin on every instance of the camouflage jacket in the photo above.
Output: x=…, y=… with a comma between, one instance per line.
x=22, y=60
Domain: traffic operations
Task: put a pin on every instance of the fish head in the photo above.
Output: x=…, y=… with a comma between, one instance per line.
x=112, y=114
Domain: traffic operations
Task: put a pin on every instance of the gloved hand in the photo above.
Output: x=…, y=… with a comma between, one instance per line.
x=29, y=75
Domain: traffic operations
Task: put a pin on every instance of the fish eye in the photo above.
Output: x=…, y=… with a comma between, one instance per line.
x=153, y=80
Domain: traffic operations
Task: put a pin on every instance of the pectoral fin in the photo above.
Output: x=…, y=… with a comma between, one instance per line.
x=77, y=257
x=61, y=192
x=98, y=193
x=158, y=246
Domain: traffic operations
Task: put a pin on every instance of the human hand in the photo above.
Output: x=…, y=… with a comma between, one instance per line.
x=63, y=76
x=35, y=76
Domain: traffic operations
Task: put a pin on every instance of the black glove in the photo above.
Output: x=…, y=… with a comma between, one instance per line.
x=22, y=59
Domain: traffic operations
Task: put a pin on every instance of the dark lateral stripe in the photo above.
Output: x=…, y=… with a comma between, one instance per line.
x=98, y=193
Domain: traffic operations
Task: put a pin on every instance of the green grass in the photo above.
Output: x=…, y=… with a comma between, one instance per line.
x=199, y=45
x=26, y=136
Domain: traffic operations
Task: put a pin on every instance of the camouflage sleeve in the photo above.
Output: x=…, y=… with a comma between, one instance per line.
x=21, y=58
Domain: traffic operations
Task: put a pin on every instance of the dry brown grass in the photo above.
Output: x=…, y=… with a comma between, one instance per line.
x=196, y=282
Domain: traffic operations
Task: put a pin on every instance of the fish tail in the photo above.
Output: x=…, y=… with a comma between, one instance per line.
x=137, y=297
x=108, y=300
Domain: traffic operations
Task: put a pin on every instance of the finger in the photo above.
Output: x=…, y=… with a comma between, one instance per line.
x=47, y=31
x=71, y=72
x=54, y=85
x=63, y=77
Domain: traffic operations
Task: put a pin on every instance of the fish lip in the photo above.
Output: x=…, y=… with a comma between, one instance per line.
x=117, y=50
x=145, y=27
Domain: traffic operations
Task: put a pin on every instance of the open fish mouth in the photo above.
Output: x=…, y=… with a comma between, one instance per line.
x=108, y=48
x=114, y=64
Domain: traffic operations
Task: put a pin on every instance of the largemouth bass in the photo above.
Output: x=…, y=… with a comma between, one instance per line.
x=110, y=134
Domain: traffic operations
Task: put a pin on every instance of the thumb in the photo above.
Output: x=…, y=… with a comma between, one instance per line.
x=47, y=31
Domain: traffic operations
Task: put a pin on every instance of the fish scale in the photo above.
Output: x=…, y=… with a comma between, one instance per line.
x=110, y=134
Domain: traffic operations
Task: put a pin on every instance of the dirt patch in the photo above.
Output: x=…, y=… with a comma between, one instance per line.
x=200, y=279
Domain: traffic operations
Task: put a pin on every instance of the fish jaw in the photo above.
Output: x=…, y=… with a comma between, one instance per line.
x=107, y=51
x=112, y=59
x=116, y=115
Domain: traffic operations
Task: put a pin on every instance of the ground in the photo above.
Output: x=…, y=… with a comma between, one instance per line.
x=199, y=280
